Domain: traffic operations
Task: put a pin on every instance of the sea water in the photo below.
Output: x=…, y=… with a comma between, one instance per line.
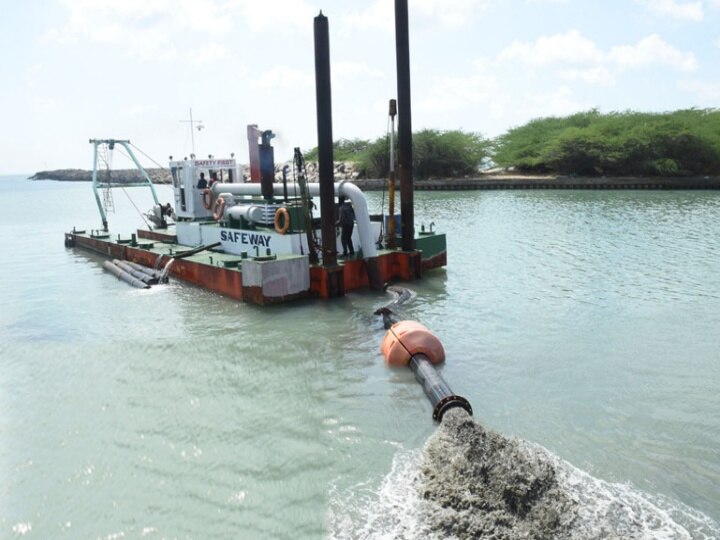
x=581, y=325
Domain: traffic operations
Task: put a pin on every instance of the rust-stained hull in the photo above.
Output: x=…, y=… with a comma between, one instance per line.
x=349, y=275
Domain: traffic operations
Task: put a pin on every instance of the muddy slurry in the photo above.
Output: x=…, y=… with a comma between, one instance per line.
x=475, y=483
x=484, y=485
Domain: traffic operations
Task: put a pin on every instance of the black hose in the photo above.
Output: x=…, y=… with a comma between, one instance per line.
x=436, y=389
x=388, y=311
x=196, y=250
x=441, y=396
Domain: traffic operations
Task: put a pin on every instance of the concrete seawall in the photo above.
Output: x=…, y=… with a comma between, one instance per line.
x=550, y=182
x=344, y=171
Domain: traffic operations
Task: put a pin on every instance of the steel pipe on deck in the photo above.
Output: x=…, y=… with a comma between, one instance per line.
x=347, y=189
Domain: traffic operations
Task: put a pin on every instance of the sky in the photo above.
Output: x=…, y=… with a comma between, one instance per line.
x=132, y=69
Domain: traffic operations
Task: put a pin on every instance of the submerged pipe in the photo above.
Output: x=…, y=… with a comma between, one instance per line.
x=149, y=271
x=121, y=274
x=137, y=274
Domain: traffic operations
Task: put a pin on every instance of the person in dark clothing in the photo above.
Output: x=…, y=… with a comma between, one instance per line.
x=202, y=183
x=347, y=223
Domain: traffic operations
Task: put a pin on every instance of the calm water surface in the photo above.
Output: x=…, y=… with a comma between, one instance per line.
x=586, y=322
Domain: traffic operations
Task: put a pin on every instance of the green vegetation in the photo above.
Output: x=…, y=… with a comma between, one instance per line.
x=343, y=150
x=680, y=143
x=435, y=153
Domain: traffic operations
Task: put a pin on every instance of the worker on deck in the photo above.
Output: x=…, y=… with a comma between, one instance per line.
x=202, y=183
x=347, y=223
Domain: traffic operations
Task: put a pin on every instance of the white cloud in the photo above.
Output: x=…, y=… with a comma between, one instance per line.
x=284, y=77
x=380, y=15
x=691, y=11
x=598, y=75
x=355, y=70
x=451, y=94
x=450, y=14
x=577, y=58
x=147, y=29
x=569, y=48
x=652, y=50
x=207, y=53
x=558, y=102
x=284, y=16
x=32, y=73
x=706, y=92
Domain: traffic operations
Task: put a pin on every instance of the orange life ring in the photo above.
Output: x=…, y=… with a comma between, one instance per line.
x=219, y=210
x=282, y=214
x=207, y=198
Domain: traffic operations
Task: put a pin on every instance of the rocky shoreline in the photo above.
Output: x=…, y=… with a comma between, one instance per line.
x=344, y=170
x=347, y=171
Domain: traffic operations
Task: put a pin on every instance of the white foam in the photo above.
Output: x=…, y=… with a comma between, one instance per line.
x=386, y=512
x=625, y=512
x=393, y=508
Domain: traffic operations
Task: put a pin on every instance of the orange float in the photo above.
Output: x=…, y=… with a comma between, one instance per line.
x=408, y=338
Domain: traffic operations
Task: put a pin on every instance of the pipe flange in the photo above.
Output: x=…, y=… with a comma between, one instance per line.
x=450, y=402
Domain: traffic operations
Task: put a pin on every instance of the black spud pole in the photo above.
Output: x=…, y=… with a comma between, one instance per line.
x=325, y=140
x=402, y=48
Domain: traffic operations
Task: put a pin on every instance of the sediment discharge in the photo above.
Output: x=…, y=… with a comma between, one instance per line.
x=475, y=483
x=485, y=485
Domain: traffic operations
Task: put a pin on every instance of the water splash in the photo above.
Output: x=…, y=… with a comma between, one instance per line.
x=469, y=482
x=166, y=271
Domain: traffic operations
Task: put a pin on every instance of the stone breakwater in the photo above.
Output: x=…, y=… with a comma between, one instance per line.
x=343, y=170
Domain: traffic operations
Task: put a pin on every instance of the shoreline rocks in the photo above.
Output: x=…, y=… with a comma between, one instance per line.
x=346, y=170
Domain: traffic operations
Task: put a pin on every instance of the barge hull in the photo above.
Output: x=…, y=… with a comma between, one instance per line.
x=287, y=280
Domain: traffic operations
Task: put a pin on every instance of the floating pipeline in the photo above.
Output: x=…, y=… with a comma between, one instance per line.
x=411, y=344
x=470, y=482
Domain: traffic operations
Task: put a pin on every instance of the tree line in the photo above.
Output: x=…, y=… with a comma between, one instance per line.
x=679, y=143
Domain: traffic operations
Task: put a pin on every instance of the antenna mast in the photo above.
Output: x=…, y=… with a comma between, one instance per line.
x=192, y=127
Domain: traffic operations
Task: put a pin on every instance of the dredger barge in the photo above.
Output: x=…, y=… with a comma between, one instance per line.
x=258, y=241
